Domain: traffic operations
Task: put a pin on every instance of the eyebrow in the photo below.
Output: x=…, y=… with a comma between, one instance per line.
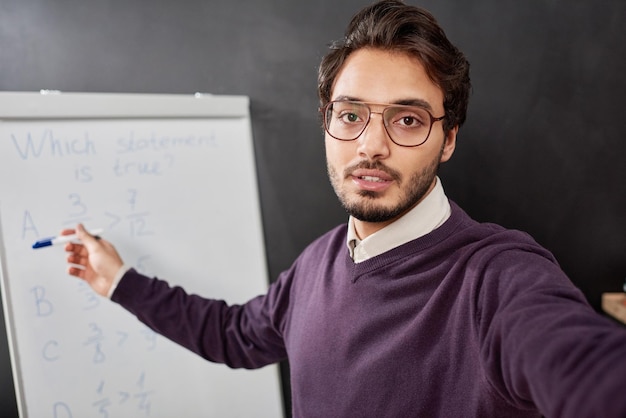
x=405, y=102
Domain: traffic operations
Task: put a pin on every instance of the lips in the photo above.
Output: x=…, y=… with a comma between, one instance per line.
x=372, y=174
x=372, y=179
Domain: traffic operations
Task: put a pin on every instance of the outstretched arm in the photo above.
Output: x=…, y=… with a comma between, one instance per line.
x=238, y=335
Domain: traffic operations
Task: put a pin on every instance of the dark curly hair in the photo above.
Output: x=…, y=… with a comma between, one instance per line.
x=394, y=26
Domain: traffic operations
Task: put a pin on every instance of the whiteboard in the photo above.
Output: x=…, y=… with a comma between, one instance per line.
x=172, y=180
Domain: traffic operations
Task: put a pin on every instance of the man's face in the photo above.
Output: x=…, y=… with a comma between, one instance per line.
x=376, y=180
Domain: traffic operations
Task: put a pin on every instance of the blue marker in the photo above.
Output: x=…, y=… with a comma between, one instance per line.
x=61, y=239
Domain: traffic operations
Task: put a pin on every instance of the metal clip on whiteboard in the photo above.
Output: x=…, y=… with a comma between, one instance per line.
x=46, y=91
x=199, y=95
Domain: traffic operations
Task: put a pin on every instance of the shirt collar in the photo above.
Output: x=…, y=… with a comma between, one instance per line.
x=425, y=217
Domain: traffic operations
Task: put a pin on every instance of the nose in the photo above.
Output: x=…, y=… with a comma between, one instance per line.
x=374, y=140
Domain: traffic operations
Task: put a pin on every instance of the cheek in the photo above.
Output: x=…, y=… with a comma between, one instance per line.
x=338, y=152
x=409, y=167
x=327, y=145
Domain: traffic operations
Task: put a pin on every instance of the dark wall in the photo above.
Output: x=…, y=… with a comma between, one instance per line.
x=542, y=149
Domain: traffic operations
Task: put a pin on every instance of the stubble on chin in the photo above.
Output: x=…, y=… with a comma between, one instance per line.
x=369, y=206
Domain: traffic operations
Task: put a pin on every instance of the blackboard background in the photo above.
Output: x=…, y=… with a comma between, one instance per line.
x=542, y=149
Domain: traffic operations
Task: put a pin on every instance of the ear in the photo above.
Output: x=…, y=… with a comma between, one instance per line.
x=449, y=144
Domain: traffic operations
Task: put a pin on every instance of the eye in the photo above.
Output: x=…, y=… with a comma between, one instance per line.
x=409, y=120
x=349, y=117
x=408, y=117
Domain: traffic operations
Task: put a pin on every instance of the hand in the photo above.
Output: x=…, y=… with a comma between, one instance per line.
x=94, y=260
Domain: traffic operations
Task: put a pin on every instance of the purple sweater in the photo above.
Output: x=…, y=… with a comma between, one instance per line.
x=471, y=320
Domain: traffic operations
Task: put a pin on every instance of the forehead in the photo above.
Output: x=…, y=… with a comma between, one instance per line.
x=379, y=76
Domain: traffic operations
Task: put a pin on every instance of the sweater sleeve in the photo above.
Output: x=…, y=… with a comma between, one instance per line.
x=240, y=336
x=541, y=342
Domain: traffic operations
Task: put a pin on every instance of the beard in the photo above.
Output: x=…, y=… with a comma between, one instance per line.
x=367, y=206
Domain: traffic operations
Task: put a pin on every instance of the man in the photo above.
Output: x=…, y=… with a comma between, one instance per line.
x=412, y=308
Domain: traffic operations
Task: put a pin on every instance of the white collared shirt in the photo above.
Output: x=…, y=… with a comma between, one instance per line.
x=428, y=215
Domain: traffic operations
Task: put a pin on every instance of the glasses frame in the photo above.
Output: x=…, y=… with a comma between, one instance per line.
x=327, y=108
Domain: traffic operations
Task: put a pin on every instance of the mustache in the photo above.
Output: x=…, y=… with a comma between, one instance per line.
x=372, y=165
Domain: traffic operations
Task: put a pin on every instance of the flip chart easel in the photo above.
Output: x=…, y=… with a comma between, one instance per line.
x=172, y=180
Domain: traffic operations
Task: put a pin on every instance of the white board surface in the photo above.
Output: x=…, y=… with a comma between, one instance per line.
x=172, y=180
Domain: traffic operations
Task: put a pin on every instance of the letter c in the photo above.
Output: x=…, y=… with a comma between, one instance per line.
x=48, y=351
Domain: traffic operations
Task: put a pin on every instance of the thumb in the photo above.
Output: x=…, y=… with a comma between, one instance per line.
x=88, y=240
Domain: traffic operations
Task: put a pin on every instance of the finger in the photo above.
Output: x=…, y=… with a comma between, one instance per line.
x=72, y=247
x=77, y=259
x=68, y=232
x=76, y=272
x=88, y=240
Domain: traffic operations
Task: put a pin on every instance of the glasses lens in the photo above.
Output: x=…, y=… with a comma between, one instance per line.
x=346, y=120
x=407, y=125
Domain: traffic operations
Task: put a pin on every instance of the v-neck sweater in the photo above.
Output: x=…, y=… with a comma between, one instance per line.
x=470, y=320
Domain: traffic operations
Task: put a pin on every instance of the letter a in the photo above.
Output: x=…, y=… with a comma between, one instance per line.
x=28, y=225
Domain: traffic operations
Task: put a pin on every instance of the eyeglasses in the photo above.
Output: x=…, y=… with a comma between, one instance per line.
x=407, y=126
